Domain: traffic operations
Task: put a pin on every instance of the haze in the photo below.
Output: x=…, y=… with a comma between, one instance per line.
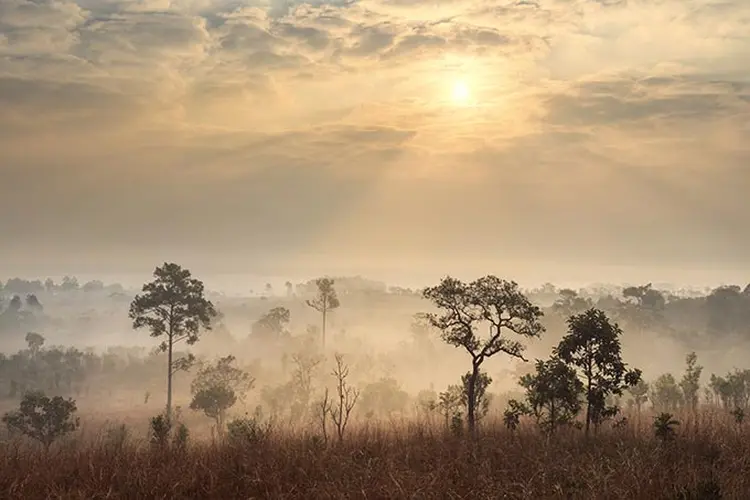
x=596, y=140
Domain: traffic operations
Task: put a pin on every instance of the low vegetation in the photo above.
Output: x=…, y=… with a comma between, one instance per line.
x=301, y=422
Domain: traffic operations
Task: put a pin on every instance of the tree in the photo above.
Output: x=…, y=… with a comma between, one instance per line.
x=272, y=325
x=289, y=288
x=666, y=394
x=35, y=342
x=69, y=284
x=346, y=397
x=498, y=305
x=214, y=401
x=690, y=383
x=222, y=373
x=480, y=398
x=173, y=306
x=553, y=394
x=649, y=306
x=325, y=301
x=42, y=418
x=569, y=303
x=639, y=394
x=33, y=303
x=15, y=304
x=593, y=345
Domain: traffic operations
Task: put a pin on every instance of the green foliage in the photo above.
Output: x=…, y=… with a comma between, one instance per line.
x=43, y=418
x=497, y=305
x=553, y=394
x=592, y=344
x=664, y=425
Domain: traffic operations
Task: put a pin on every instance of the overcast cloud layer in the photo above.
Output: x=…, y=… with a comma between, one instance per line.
x=323, y=135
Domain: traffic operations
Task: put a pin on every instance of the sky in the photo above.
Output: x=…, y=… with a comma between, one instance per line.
x=529, y=139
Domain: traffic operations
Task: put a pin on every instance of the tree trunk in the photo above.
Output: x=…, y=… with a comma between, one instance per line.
x=169, y=380
x=471, y=418
x=325, y=310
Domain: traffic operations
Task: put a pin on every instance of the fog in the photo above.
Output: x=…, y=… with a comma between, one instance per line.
x=394, y=356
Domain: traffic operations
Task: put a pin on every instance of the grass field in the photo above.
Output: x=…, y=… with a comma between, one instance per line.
x=709, y=459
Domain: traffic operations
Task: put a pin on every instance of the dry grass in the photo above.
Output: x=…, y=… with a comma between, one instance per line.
x=414, y=461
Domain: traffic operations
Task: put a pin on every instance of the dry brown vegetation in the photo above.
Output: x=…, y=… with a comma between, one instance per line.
x=709, y=459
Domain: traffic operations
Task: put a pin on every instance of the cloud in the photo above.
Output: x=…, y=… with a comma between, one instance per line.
x=286, y=127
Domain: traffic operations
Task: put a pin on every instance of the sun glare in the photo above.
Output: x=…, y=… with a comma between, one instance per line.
x=461, y=93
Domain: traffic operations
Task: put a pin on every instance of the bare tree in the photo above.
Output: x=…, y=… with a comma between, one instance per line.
x=324, y=407
x=347, y=397
x=489, y=301
x=325, y=301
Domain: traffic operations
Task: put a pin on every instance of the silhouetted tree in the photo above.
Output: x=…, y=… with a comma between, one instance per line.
x=34, y=342
x=490, y=301
x=593, y=345
x=639, y=394
x=42, y=418
x=553, y=395
x=272, y=325
x=32, y=302
x=570, y=303
x=666, y=394
x=15, y=304
x=325, y=301
x=690, y=383
x=214, y=401
x=172, y=306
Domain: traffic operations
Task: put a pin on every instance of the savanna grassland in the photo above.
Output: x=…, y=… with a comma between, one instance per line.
x=709, y=459
x=346, y=388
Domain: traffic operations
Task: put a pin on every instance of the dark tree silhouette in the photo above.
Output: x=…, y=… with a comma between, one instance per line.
x=42, y=418
x=497, y=304
x=172, y=306
x=33, y=303
x=593, y=345
x=553, y=395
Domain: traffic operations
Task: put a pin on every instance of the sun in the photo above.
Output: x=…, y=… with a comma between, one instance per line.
x=461, y=93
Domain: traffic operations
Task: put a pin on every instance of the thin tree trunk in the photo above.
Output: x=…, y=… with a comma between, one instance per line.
x=325, y=310
x=169, y=379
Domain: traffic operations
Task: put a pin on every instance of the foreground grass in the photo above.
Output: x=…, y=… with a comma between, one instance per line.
x=704, y=462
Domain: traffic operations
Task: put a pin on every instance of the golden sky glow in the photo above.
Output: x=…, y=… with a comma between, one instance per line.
x=375, y=132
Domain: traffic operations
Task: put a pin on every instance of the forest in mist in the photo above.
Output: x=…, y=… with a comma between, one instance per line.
x=335, y=356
